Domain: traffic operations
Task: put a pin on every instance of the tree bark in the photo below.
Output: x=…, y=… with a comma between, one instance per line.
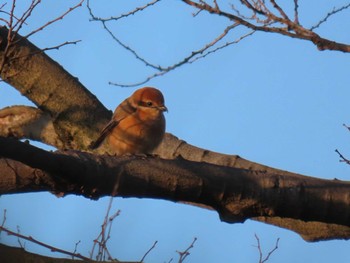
x=236, y=194
x=71, y=117
x=76, y=113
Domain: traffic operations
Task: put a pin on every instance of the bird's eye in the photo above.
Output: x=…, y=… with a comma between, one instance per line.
x=149, y=103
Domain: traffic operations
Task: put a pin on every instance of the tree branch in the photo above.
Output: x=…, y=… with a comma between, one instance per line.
x=54, y=91
x=24, y=122
x=236, y=194
x=53, y=249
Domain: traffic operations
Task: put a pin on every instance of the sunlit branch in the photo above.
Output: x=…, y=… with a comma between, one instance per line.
x=14, y=28
x=56, y=19
x=261, y=18
x=279, y=9
x=26, y=14
x=223, y=46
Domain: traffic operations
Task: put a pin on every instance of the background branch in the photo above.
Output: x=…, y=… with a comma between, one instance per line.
x=262, y=18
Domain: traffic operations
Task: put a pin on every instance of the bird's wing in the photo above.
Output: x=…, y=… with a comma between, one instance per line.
x=106, y=130
x=122, y=111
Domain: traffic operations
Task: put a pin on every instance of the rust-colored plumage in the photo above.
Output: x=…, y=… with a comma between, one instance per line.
x=137, y=125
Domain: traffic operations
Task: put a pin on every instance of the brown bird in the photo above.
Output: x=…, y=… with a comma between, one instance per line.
x=137, y=125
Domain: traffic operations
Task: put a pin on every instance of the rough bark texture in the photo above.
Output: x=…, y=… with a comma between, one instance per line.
x=236, y=194
x=237, y=188
x=53, y=90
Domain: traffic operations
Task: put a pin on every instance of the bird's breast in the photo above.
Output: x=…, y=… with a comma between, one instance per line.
x=135, y=135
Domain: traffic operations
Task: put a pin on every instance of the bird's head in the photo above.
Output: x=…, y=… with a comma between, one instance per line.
x=149, y=99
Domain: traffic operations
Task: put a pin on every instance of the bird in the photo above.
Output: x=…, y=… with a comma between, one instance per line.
x=137, y=125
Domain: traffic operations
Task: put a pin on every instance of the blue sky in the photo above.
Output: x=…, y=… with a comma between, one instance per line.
x=270, y=99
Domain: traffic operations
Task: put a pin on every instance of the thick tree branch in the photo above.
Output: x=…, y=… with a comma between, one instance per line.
x=236, y=194
x=54, y=91
x=24, y=122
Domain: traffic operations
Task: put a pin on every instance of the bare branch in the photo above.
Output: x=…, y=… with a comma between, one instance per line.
x=186, y=253
x=279, y=9
x=348, y=127
x=261, y=259
x=223, y=46
x=35, y=241
x=296, y=12
x=18, y=239
x=104, y=235
x=26, y=14
x=132, y=12
x=56, y=19
x=130, y=49
x=3, y=219
x=14, y=28
x=194, y=56
x=333, y=12
x=75, y=248
x=342, y=158
x=148, y=251
x=261, y=19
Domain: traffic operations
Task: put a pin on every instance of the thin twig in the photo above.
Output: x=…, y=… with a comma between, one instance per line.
x=261, y=259
x=148, y=251
x=18, y=239
x=33, y=240
x=348, y=127
x=46, y=49
x=296, y=12
x=189, y=59
x=333, y=12
x=223, y=46
x=184, y=254
x=342, y=158
x=26, y=14
x=130, y=49
x=14, y=28
x=3, y=219
x=132, y=12
x=279, y=9
x=7, y=13
x=262, y=18
x=56, y=19
x=104, y=235
x=75, y=248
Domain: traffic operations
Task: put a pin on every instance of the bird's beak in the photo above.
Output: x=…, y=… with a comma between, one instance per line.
x=163, y=108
